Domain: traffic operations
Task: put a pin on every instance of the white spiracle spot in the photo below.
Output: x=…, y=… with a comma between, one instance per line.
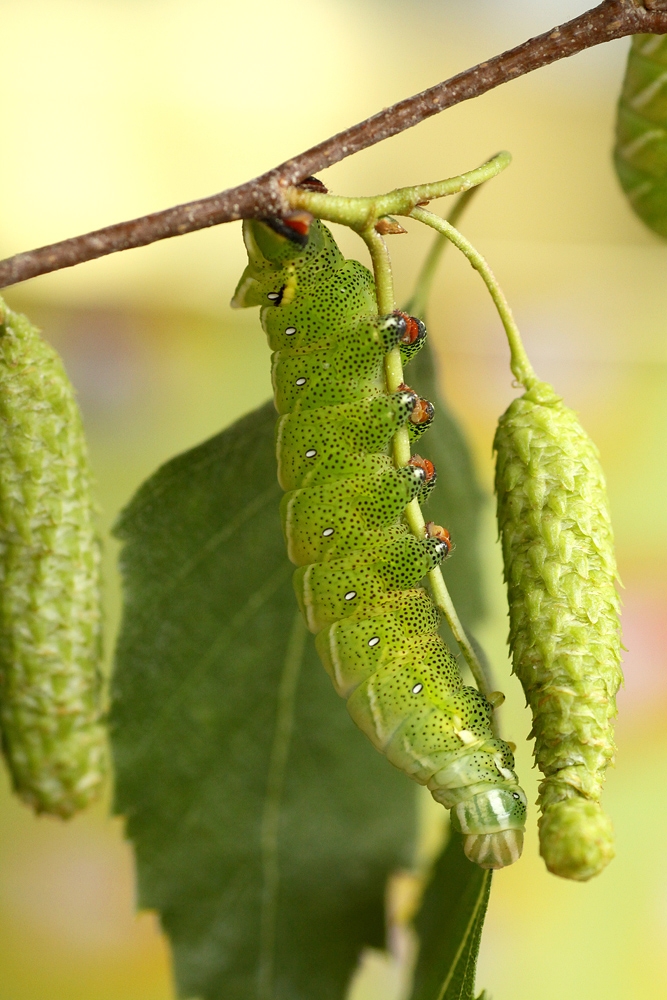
x=350, y=596
x=290, y=331
x=374, y=641
x=417, y=688
x=300, y=381
x=327, y=533
x=311, y=453
x=273, y=296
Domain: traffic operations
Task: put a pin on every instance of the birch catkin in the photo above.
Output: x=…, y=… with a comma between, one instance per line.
x=564, y=632
x=560, y=571
x=49, y=573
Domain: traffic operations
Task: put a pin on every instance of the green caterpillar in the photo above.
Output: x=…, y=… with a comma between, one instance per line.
x=50, y=685
x=560, y=569
x=358, y=565
x=640, y=154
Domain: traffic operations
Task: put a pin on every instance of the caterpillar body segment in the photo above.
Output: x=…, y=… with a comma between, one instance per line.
x=332, y=590
x=359, y=566
x=334, y=442
x=350, y=369
x=404, y=690
x=323, y=522
x=352, y=648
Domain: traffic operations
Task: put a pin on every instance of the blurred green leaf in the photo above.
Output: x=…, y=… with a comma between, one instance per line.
x=640, y=151
x=264, y=823
x=449, y=925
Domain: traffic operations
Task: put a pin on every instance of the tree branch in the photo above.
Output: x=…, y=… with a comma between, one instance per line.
x=264, y=196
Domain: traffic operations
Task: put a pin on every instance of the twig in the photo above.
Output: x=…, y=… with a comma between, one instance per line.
x=519, y=363
x=416, y=304
x=401, y=449
x=266, y=195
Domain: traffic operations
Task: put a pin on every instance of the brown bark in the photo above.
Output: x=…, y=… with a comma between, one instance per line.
x=263, y=196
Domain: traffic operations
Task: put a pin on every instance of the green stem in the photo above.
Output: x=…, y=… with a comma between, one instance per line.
x=417, y=303
x=401, y=449
x=393, y=366
x=416, y=306
x=519, y=363
x=361, y=214
x=384, y=282
x=443, y=601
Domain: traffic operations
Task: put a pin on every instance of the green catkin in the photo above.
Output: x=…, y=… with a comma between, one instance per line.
x=50, y=684
x=560, y=570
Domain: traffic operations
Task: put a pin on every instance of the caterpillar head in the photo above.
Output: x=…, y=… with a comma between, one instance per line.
x=274, y=237
x=276, y=249
x=282, y=240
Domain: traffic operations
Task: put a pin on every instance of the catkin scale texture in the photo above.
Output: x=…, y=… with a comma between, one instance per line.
x=50, y=684
x=560, y=570
x=359, y=566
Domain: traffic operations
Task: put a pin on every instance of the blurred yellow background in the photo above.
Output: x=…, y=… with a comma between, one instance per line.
x=113, y=108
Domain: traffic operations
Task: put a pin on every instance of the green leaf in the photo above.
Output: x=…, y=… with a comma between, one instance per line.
x=264, y=823
x=640, y=151
x=449, y=926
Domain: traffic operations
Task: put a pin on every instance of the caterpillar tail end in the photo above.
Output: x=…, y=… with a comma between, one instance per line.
x=494, y=850
x=576, y=839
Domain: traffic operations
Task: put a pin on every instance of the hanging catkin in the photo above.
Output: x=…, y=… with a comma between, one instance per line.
x=49, y=574
x=560, y=570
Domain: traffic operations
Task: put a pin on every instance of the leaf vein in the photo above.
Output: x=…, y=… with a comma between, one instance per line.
x=271, y=814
